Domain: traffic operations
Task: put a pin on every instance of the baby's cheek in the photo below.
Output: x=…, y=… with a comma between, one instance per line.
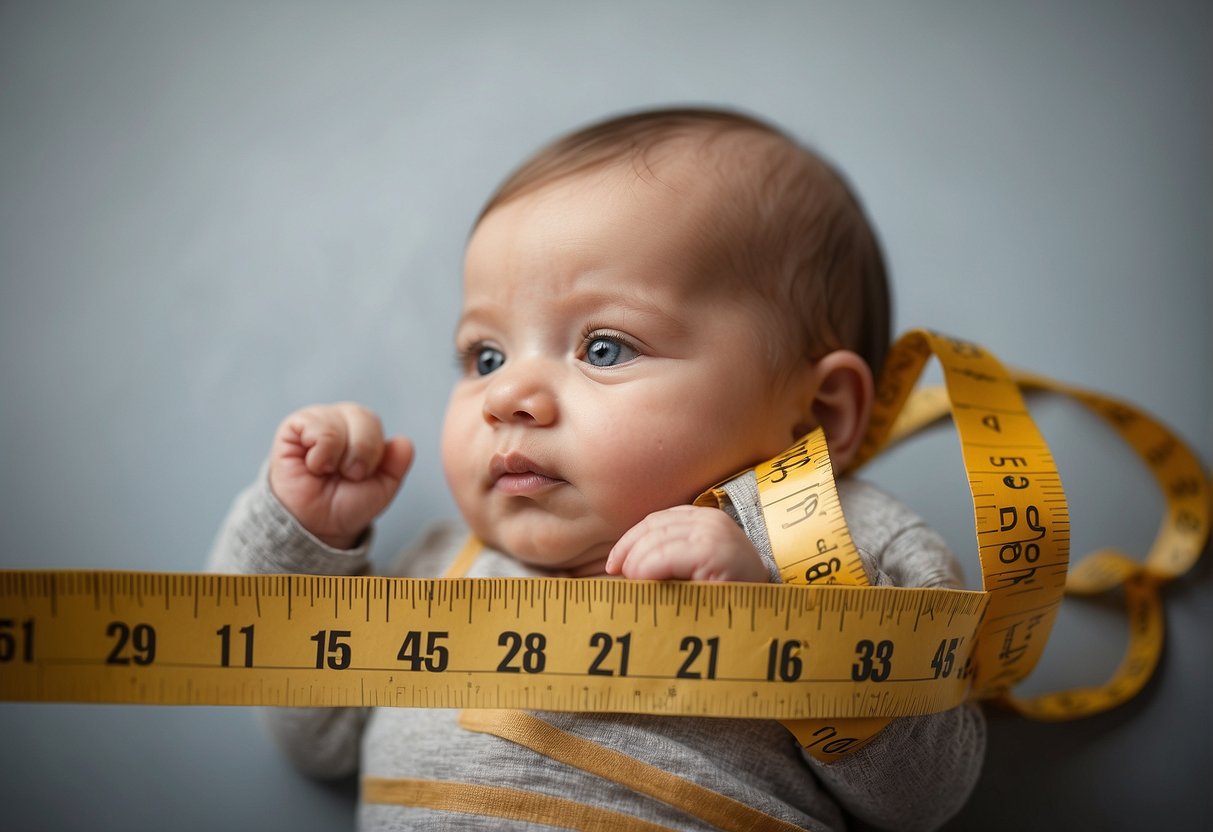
x=638, y=485
x=458, y=466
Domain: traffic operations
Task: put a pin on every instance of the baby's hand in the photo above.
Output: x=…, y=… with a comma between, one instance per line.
x=687, y=543
x=332, y=469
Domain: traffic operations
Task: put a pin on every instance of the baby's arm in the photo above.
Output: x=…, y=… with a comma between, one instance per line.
x=919, y=771
x=303, y=515
x=916, y=774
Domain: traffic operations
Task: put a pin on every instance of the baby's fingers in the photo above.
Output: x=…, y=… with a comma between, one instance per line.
x=655, y=548
x=686, y=543
x=327, y=439
x=396, y=459
x=363, y=442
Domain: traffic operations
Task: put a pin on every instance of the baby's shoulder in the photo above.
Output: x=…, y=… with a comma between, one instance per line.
x=895, y=538
x=865, y=504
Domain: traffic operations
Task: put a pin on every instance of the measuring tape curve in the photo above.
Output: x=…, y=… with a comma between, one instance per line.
x=831, y=657
x=1181, y=538
x=1020, y=515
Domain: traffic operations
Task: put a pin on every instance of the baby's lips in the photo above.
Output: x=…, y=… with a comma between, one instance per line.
x=516, y=463
x=524, y=484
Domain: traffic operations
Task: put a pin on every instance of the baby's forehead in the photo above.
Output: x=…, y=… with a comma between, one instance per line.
x=691, y=155
x=718, y=182
x=711, y=159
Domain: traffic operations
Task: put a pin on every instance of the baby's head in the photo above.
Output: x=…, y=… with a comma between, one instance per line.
x=650, y=305
x=784, y=224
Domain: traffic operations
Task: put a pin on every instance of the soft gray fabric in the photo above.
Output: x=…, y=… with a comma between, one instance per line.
x=915, y=775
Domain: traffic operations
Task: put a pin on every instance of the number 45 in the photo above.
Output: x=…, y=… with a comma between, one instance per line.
x=945, y=657
x=434, y=658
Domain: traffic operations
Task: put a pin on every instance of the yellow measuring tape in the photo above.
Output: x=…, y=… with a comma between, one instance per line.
x=1177, y=546
x=831, y=657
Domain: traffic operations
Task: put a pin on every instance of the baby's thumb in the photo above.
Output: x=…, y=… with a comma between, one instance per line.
x=397, y=457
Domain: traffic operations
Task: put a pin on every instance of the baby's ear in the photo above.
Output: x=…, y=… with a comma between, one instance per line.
x=843, y=403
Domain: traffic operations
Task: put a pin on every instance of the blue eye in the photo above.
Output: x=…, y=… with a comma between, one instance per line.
x=607, y=352
x=488, y=359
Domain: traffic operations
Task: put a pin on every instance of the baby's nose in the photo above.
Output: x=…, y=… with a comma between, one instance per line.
x=521, y=392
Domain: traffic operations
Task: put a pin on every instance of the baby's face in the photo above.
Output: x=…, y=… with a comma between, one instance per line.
x=606, y=373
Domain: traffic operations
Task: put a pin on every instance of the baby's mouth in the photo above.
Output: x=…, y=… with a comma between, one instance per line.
x=516, y=475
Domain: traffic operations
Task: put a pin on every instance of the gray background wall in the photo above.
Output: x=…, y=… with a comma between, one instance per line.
x=211, y=213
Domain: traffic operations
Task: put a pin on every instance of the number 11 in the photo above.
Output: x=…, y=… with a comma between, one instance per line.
x=225, y=645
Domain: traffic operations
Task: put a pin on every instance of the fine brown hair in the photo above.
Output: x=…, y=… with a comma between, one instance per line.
x=788, y=221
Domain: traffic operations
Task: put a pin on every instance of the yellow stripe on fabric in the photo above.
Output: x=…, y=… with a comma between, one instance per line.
x=466, y=557
x=499, y=802
x=533, y=733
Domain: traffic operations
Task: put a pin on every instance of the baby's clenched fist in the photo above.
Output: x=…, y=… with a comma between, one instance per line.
x=332, y=468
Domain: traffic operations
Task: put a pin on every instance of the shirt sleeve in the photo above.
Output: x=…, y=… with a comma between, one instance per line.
x=919, y=771
x=259, y=536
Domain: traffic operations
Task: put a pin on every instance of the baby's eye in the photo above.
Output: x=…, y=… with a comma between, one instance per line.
x=606, y=351
x=488, y=359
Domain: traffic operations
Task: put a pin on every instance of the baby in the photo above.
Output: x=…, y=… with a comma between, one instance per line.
x=652, y=305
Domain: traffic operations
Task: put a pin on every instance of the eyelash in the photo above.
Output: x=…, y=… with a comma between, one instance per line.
x=593, y=333
x=464, y=356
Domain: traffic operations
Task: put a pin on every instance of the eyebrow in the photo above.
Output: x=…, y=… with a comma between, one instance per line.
x=628, y=304
x=581, y=302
